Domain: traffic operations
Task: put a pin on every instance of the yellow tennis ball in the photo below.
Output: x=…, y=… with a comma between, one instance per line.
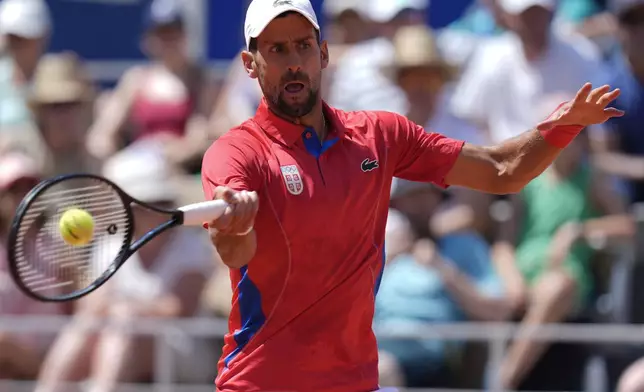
x=76, y=227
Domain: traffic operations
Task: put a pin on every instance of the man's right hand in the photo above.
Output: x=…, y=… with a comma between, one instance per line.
x=239, y=217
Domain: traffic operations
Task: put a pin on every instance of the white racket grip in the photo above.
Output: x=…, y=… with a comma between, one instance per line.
x=197, y=214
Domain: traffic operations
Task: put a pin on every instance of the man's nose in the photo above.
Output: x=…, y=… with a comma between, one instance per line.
x=294, y=62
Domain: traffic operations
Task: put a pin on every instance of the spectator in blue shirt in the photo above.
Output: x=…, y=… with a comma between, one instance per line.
x=449, y=281
x=620, y=146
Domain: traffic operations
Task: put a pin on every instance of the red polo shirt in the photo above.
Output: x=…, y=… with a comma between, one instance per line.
x=303, y=307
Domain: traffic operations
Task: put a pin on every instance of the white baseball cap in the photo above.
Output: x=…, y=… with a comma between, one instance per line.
x=262, y=12
x=386, y=10
x=515, y=7
x=25, y=18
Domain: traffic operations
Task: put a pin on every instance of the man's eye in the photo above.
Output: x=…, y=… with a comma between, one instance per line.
x=276, y=49
x=305, y=45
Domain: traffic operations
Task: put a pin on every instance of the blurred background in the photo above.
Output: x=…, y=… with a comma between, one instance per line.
x=537, y=291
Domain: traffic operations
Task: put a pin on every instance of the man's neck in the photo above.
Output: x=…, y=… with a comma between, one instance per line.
x=21, y=74
x=314, y=119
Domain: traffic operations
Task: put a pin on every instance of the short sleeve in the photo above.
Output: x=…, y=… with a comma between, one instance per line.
x=231, y=161
x=419, y=155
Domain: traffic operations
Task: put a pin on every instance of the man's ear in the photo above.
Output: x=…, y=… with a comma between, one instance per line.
x=324, y=54
x=248, y=59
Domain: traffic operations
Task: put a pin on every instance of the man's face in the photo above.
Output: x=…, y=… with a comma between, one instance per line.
x=532, y=25
x=422, y=85
x=168, y=43
x=288, y=63
x=62, y=125
x=26, y=51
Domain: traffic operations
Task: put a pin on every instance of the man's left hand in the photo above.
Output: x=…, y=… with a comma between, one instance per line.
x=589, y=107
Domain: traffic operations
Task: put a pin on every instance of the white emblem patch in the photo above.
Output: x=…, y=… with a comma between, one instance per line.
x=293, y=179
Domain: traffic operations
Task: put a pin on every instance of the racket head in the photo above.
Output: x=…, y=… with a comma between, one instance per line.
x=42, y=264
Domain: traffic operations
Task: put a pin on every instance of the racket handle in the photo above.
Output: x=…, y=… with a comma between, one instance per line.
x=198, y=213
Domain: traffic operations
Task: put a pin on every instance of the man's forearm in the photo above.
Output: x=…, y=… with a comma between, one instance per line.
x=525, y=156
x=236, y=251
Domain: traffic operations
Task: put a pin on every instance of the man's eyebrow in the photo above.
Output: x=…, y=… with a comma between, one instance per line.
x=301, y=39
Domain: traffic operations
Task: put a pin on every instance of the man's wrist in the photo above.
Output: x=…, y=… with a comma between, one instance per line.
x=561, y=136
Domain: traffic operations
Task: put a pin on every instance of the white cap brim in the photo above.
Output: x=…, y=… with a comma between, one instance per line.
x=262, y=12
x=516, y=7
x=383, y=11
x=28, y=32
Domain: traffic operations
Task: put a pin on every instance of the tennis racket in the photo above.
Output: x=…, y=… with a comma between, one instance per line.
x=48, y=269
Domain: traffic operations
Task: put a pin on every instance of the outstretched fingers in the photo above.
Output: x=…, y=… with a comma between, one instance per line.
x=608, y=97
x=583, y=93
x=595, y=95
x=612, y=112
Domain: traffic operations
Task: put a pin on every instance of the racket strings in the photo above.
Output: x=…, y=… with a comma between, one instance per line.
x=45, y=262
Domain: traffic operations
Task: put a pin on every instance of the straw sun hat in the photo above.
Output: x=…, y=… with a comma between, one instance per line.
x=60, y=78
x=415, y=47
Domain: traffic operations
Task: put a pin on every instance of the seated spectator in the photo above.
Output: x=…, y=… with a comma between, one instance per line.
x=21, y=354
x=169, y=99
x=360, y=81
x=164, y=279
x=451, y=280
x=548, y=275
x=425, y=78
x=25, y=27
x=61, y=98
x=427, y=82
x=511, y=80
x=620, y=148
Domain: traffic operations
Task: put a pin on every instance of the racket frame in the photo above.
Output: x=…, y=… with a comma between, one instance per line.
x=128, y=248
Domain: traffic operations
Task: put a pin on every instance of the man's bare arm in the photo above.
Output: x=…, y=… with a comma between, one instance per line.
x=232, y=234
x=509, y=166
x=235, y=251
x=505, y=168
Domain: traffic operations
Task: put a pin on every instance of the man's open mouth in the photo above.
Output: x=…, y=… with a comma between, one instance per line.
x=294, y=87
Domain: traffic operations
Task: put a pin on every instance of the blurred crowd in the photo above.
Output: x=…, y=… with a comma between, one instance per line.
x=550, y=254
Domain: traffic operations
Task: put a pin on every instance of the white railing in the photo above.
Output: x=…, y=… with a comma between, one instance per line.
x=496, y=334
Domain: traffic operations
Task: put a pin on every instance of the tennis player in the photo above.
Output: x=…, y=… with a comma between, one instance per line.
x=304, y=238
